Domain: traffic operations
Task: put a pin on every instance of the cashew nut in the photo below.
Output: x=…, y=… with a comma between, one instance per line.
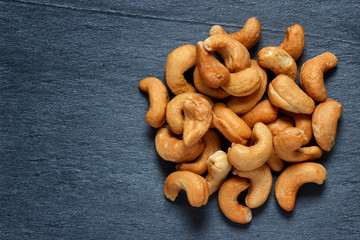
x=280, y=124
x=177, y=63
x=324, y=123
x=228, y=203
x=263, y=112
x=172, y=149
x=278, y=60
x=243, y=104
x=303, y=122
x=284, y=93
x=287, y=145
x=218, y=169
x=158, y=97
x=294, y=41
x=230, y=125
x=213, y=73
x=195, y=186
x=212, y=144
x=198, y=118
x=175, y=109
x=235, y=55
x=246, y=158
x=312, y=75
x=294, y=176
x=216, y=93
x=275, y=162
x=242, y=83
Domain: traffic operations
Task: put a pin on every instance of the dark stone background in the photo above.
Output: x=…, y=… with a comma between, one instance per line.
x=77, y=159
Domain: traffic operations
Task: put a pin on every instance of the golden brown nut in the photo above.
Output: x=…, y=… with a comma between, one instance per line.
x=303, y=122
x=218, y=168
x=324, y=123
x=280, y=124
x=195, y=186
x=294, y=176
x=263, y=112
x=294, y=41
x=242, y=83
x=275, y=162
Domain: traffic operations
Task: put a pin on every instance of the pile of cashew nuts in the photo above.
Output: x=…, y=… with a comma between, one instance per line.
x=228, y=97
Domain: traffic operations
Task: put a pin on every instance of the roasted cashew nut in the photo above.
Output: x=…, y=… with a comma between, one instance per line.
x=198, y=118
x=260, y=185
x=263, y=112
x=284, y=93
x=177, y=63
x=195, y=186
x=294, y=176
x=246, y=158
x=158, y=97
x=312, y=75
x=278, y=60
x=275, y=162
x=243, y=104
x=287, y=145
x=172, y=149
x=303, y=122
x=324, y=123
x=216, y=93
x=228, y=203
x=212, y=144
x=294, y=41
x=235, y=55
x=242, y=83
x=218, y=169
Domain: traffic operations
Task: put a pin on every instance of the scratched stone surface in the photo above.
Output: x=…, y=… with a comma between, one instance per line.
x=78, y=160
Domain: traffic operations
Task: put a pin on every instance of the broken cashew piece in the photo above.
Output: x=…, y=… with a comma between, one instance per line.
x=284, y=93
x=263, y=112
x=228, y=203
x=177, y=63
x=198, y=118
x=158, y=97
x=312, y=75
x=294, y=41
x=246, y=158
x=195, y=186
x=218, y=169
x=212, y=144
x=294, y=176
x=172, y=149
x=242, y=83
x=279, y=61
x=260, y=185
x=324, y=123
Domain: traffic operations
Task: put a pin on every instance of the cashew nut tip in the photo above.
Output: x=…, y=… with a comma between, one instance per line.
x=195, y=186
x=227, y=198
x=158, y=97
x=312, y=75
x=292, y=178
x=294, y=41
x=218, y=168
x=177, y=63
x=246, y=158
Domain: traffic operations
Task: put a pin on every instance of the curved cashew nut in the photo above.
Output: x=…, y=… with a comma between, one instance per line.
x=175, y=110
x=235, y=55
x=294, y=41
x=213, y=73
x=249, y=158
x=260, y=185
x=218, y=169
x=303, y=122
x=294, y=176
x=324, y=123
x=263, y=112
x=249, y=35
x=159, y=97
x=212, y=144
x=230, y=125
x=195, y=186
x=216, y=93
x=177, y=63
x=278, y=60
x=286, y=94
x=227, y=198
x=198, y=118
x=243, y=104
x=312, y=75
x=242, y=83
x=287, y=145
x=172, y=149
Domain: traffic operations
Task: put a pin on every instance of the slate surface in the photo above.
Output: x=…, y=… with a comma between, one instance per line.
x=77, y=158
